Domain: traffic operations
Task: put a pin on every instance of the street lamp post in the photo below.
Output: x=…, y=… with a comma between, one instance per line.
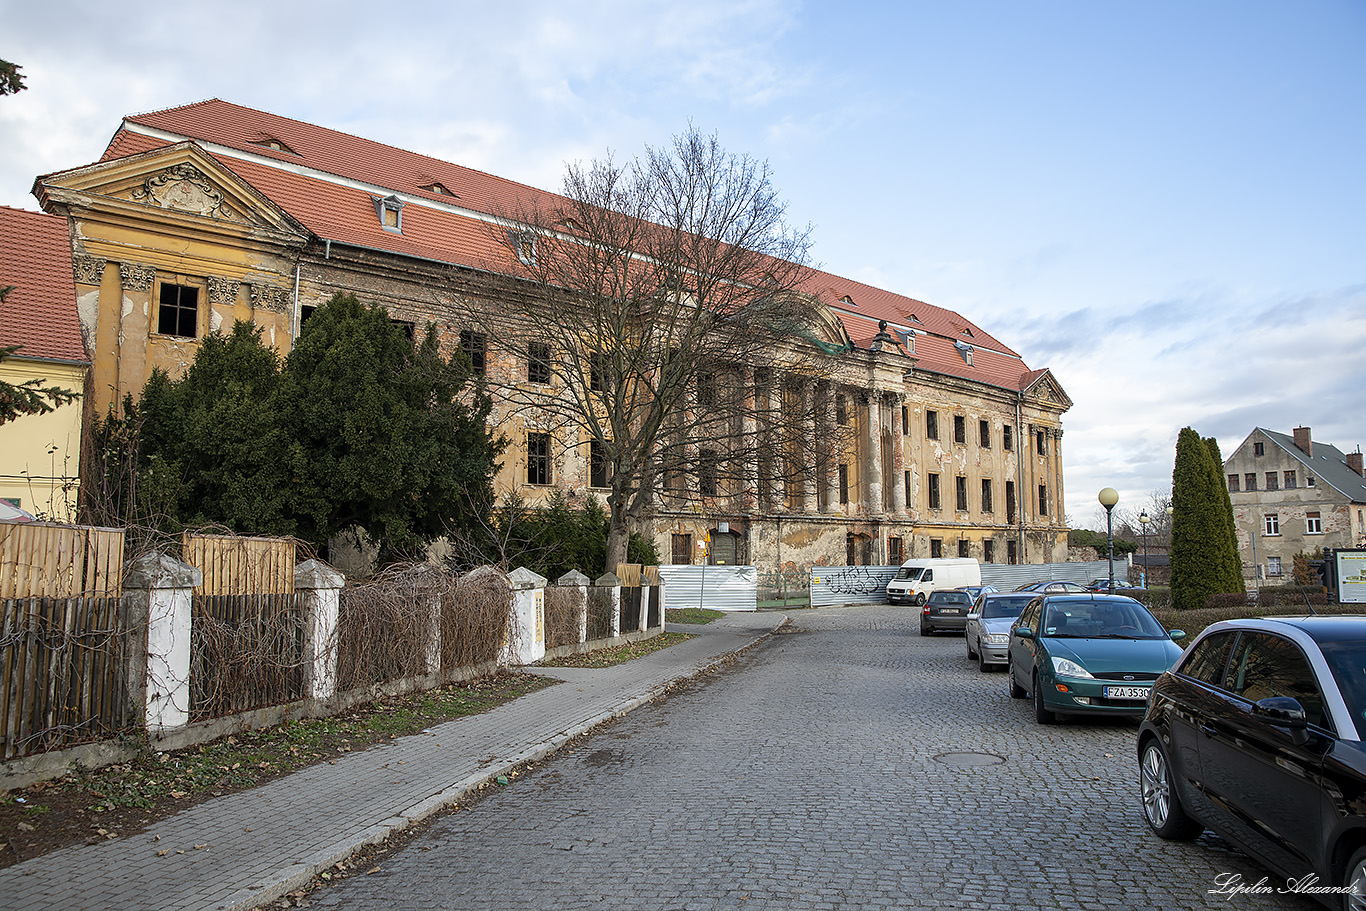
x=1108, y=498
x=1143, y=520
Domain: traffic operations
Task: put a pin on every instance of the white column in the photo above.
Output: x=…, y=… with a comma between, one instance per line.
x=320, y=585
x=526, y=633
x=612, y=583
x=578, y=582
x=168, y=584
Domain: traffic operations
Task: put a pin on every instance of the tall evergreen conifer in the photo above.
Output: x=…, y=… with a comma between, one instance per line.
x=1231, y=564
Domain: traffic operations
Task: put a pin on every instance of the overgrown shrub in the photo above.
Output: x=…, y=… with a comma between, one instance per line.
x=562, y=607
x=384, y=633
x=476, y=615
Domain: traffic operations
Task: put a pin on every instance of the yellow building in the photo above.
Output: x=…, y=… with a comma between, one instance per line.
x=199, y=215
x=40, y=454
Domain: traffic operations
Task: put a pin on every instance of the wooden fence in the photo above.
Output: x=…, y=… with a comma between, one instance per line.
x=63, y=647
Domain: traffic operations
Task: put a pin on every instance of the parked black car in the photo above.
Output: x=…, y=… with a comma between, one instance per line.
x=945, y=610
x=1257, y=733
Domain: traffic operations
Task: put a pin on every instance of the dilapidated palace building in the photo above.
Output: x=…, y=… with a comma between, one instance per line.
x=201, y=215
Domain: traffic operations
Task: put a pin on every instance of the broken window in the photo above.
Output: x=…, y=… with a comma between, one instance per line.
x=178, y=311
x=538, y=458
x=538, y=363
x=475, y=347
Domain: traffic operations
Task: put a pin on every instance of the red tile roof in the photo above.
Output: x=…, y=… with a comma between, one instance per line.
x=340, y=208
x=40, y=313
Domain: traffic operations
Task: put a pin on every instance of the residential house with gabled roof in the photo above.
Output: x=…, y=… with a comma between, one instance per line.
x=40, y=454
x=202, y=214
x=1292, y=494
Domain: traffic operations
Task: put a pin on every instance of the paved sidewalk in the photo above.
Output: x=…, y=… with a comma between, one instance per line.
x=245, y=849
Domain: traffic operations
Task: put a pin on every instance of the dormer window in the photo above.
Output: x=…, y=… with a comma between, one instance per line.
x=270, y=142
x=438, y=188
x=390, y=212
x=524, y=243
x=848, y=301
x=965, y=331
x=965, y=350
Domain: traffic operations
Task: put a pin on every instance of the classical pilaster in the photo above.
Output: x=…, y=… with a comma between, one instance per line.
x=774, y=491
x=749, y=476
x=808, y=455
x=832, y=475
x=898, y=479
x=873, y=443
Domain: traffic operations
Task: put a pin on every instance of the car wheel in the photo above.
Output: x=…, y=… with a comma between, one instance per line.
x=924, y=630
x=1016, y=691
x=982, y=661
x=1355, y=898
x=971, y=653
x=1041, y=713
x=920, y=600
x=1162, y=806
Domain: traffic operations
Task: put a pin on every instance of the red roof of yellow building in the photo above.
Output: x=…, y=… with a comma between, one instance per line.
x=328, y=182
x=40, y=313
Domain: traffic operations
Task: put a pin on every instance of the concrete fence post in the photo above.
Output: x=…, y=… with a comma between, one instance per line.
x=430, y=595
x=579, y=582
x=645, y=593
x=320, y=586
x=612, y=583
x=165, y=586
x=526, y=636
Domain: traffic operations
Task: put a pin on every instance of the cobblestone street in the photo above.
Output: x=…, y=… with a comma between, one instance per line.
x=846, y=763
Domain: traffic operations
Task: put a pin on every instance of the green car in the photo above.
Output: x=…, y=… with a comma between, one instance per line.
x=1088, y=655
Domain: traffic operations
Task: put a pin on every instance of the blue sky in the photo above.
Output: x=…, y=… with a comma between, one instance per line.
x=1164, y=202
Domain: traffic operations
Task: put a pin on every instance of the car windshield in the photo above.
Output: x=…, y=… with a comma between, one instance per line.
x=1086, y=619
x=995, y=608
x=950, y=598
x=910, y=572
x=1347, y=660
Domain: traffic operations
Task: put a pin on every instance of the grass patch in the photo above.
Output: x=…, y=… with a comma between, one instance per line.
x=691, y=614
x=91, y=806
x=620, y=654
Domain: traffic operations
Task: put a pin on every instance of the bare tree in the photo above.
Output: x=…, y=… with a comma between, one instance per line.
x=659, y=310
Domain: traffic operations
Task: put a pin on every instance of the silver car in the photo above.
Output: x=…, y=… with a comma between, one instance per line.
x=988, y=629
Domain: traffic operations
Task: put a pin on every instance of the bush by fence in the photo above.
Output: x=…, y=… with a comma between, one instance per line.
x=562, y=607
x=182, y=660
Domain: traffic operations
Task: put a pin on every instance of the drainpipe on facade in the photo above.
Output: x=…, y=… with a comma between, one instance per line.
x=1019, y=483
x=295, y=319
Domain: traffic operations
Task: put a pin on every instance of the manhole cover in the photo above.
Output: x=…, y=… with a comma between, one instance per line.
x=968, y=760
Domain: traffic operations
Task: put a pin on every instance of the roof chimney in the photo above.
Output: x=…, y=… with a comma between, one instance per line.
x=1303, y=442
x=1354, y=461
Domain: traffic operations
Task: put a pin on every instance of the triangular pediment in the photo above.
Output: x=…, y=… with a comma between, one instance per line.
x=180, y=181
x=1046, y=390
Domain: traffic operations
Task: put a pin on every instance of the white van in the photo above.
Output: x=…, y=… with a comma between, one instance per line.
x=917, y=578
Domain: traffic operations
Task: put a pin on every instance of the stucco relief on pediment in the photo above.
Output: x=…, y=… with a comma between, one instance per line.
x=185, y=188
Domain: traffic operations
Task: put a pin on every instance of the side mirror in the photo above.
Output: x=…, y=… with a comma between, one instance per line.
x=1177, y=634
x=1282, y=711
x=1024, y=632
